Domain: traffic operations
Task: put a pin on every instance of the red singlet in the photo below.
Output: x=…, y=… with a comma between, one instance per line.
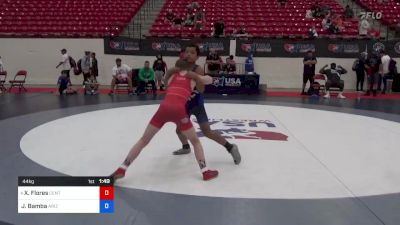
x=173, y=108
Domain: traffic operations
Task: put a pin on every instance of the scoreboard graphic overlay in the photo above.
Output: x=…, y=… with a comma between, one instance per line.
x=65, y=195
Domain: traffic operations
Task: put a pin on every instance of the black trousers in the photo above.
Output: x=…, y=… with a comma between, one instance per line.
x=142, y=86
x=360, y=80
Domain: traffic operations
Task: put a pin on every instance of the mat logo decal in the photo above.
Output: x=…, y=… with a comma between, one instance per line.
x=246, y=129
x=124, y=45
x=166, y=46
x=343, y=48
x=115, y=45
x=378, y=46
x=298, y=48
x=257, y=47
x=226, y=82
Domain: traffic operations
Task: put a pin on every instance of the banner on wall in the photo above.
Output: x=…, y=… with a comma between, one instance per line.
x=166, y=47
x=322, y=47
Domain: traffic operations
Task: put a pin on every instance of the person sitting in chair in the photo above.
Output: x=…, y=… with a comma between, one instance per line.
x=146, y=76
x=333, y=74
x=121, y=74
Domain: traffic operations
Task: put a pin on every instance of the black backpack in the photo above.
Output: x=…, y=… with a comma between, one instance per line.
x=78, y=67
x=392, y=67
x=72, y=62
x=314, y=89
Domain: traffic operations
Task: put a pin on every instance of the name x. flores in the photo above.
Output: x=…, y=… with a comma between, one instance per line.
x=235, y=130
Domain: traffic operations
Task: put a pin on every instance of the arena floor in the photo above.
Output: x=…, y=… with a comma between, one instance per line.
x=305, y=161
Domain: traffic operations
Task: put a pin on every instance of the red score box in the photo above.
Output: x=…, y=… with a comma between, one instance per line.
x=106, y=193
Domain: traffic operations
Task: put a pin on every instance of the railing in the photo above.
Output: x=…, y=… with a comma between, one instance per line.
x=134, y=28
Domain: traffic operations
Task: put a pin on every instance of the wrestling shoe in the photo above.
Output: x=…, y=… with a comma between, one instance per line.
x=235, y=154
x=210, y=174
x=182, y=151
x=118, y=174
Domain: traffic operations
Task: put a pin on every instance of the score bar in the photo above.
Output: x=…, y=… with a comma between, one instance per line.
x=65, y=195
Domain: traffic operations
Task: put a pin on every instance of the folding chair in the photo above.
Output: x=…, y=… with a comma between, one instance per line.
x=3, y=76
x=121, y=87
x=19, y=81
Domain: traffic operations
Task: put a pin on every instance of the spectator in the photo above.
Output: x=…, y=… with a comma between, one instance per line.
x=189, y=21
x=325, y=10
x=348, y=13
x=384, y=69
x=200, y=15
x=316, y=10
x=178, y=21
x=326, y=23
x=85, y=66
x=372, y=65
x=359, y=68
x=94, y=68
x=334, y=74
x=170, y=16
x=312, y=33
x=230, y=65
x=200, y=20
x=64, y=84
x=364, y=27
x=282, y=2
x=121, y=74
x=2, y=69
x=241, y=32
x=336, y=25
x=192, y=6
x=219, y=28
x=309, y=62
x=213, y=61
x=309, y=14
x=249, y=63
x=65, y=62
x=91, y=85
x=160, y=68
x=146, y=76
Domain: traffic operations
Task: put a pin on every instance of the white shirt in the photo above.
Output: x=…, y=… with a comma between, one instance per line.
x=1, y=66
x=385, y=63
x=364, y=27
x=122, y=70
x=65, y=59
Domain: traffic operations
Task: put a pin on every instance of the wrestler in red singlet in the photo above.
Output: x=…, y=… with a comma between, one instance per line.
x=173, y=108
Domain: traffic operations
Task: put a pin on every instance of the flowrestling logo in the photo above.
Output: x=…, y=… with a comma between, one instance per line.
x=343, y=48
x=373, y=15
x=246, y=129
x=298, y=48
x=115, y=45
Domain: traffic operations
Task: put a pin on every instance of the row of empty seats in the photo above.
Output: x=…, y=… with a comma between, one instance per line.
x=262, y=18
x=72, y=18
